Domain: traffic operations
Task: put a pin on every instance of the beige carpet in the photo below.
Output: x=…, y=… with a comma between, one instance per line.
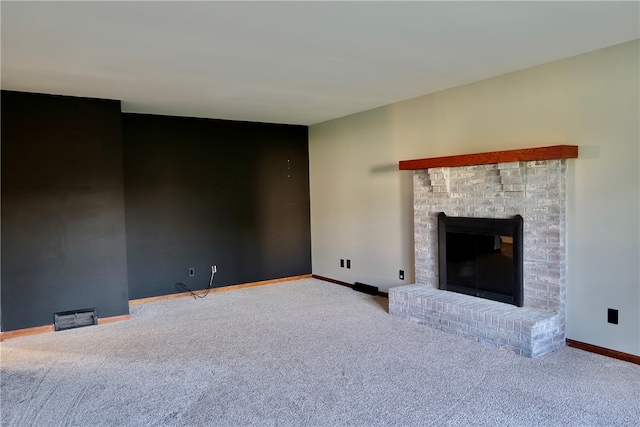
x=305, y=353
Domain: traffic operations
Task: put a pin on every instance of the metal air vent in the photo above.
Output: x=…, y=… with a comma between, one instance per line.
x=75, y=319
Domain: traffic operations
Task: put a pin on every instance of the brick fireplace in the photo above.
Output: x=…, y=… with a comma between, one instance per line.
x=528, y=182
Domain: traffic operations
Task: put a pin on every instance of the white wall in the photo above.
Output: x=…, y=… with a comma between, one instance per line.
x=362, y=207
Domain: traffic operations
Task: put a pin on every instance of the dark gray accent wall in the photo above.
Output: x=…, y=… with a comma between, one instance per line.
x=200, y=192
x=63, y=228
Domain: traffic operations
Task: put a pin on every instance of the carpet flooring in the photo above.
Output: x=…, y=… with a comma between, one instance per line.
x=303, y=353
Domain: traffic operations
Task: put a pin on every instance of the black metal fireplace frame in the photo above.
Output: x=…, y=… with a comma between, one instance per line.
x=490, y=226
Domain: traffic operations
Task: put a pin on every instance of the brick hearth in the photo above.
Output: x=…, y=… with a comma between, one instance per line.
x=533, y=189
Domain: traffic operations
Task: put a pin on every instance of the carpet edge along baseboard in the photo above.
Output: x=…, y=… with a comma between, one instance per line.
x=603, y=351
x=348, y=285
x=220, y=289
x=104, y=320
x=45, y=329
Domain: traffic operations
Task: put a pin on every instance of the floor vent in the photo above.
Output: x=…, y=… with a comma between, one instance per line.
x=367, y=289
x=75, y=319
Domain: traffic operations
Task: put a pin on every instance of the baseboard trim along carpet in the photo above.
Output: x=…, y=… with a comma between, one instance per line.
x=604, y=351
x=51, y=328
x=101, y=321
x=220, y=289
x=348, y=285
x=27, y=331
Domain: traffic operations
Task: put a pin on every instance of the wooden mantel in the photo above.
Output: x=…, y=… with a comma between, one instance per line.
x=522, y=155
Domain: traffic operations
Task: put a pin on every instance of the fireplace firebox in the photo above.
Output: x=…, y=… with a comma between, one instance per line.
x=481, y=257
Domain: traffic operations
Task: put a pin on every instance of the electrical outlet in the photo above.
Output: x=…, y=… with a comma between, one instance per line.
x=192, y=272
x=342, y=263
x=401, y=275
x=612, y=316
x=348, y=263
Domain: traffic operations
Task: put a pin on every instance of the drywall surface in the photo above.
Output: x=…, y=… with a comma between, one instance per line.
x=202, y=192
x=362, y=207
x=63, y=229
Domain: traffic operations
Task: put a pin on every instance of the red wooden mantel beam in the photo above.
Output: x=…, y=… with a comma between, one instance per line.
x=522, y=155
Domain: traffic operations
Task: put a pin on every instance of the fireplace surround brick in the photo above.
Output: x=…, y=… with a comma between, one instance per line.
x=533, y=189
x=524, y=331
